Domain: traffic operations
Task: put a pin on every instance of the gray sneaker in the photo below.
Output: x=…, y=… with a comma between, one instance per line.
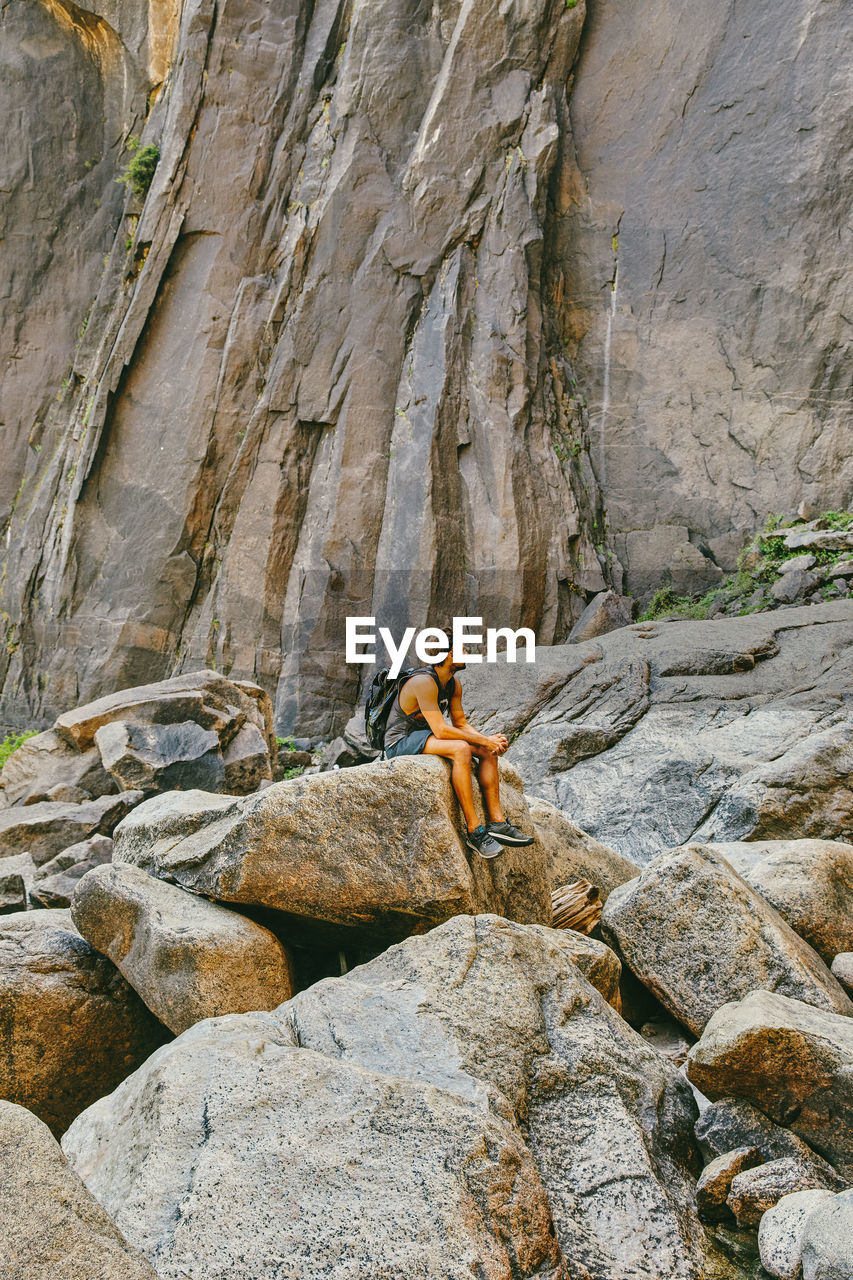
x=482, y=842
x=508, y=834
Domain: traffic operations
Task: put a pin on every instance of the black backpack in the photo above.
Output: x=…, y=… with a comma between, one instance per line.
x=380, y=699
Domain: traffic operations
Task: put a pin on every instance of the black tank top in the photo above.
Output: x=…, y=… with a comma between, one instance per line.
x=399, y=724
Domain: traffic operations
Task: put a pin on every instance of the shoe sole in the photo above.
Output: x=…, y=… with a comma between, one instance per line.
x=510, y=840
x=496, y=854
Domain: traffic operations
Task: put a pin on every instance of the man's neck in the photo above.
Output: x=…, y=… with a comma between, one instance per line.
x=444, y=670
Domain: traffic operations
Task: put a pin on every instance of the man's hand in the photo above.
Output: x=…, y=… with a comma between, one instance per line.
x=498, y=743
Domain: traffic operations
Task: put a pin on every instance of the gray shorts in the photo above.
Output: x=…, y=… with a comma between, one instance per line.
x=412, y=745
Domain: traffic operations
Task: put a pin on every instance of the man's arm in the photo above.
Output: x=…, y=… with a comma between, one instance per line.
x=426, y=693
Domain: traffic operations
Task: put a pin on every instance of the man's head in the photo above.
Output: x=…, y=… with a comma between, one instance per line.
x=445, y=665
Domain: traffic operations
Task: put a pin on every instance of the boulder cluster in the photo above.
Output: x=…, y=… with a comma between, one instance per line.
x=297, y=1029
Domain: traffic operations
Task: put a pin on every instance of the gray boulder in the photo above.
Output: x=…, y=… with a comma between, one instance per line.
x=733, y=1122
x=44, y=830
x=247, y=761
x=792, y=1060
x=161, y=757
x=605, y=612
x=52, y=1228
x=809, y=882
x=755, y=1190
x=71, y=1028
x=16, y=881
x=46, y=762
x=842, y=969
x=780, y=1233
x=793, y=585
x=827, y=1240
x=389, y=1074
x=698, y=936
x=187, y=958
x=398, y=865
x=571, y=854
x=55, y=881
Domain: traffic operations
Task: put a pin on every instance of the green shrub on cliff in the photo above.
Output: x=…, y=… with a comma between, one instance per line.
x=140, y=171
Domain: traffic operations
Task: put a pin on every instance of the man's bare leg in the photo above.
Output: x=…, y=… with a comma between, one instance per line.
x=487, y=775
x=459, y=754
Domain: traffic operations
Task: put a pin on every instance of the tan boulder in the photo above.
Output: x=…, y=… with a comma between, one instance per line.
x=51, y=1227
x=186, y=957
x=71, y=1027
x=698, y=936
x=572, y=854
x=809, y=882
x=793, y=1061
x=375, y=850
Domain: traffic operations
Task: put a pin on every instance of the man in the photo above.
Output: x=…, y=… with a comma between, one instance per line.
x=416, y=724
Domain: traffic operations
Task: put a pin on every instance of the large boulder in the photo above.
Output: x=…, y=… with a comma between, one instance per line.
x=187, y=958
x=52, y=1228
x=71, y=1027
x=248, y=1149
x=363, y=1098
x=397, y=865
x=721, y=730
x=792, y=1060
x=17, y=874
x=161, y=757
x=605, y=612
x=571, y=854
x=45, y=762
x=44, y=830
x=827, y=1240
x=780, y=1233
x=699, y=937
x=809, y=882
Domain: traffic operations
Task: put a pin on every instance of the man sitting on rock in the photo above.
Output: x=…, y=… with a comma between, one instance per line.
x=417, y=724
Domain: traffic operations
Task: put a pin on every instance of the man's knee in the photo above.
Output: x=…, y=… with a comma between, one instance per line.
x=462, y=752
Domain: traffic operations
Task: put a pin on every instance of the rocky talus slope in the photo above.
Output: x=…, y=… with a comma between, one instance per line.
x=251, y=1083
x=473, y=305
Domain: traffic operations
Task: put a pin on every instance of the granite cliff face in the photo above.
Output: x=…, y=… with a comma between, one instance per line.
x=338, y=362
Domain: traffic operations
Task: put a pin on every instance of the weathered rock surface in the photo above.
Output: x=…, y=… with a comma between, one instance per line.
x=161, y=757
x=793, y=1061
x=571, y=854
x=292, y=479
x=809, y=882
x=70, y=1026
x=708, y=406
x=780, y=1233
x=753, y=1191
x=827, y=1240
x=187, y=958
x=732, y=1122
x=397, y=865
x=380, y=1176
x=730, y=729
x=699, y=937
x=55, y=881
x=45, y=829
x=716, y=1179
x=46, y=762
x=52, y=1228
x=419, y=1040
